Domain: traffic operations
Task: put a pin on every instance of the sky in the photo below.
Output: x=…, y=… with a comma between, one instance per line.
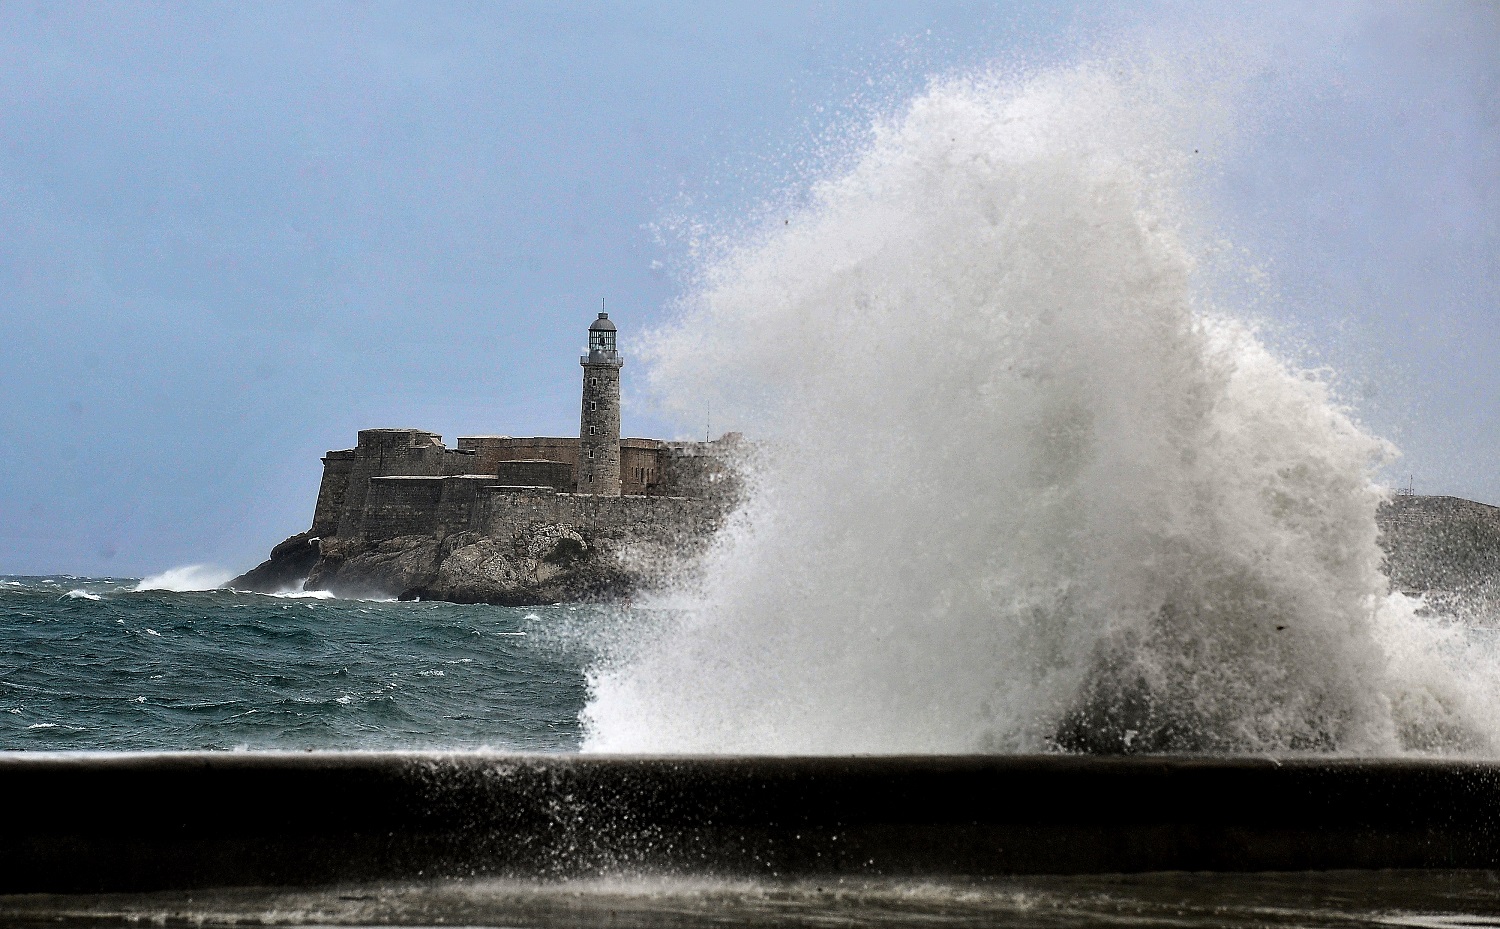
x=232, y=235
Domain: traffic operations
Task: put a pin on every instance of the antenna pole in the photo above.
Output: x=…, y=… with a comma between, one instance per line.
x=709, y=422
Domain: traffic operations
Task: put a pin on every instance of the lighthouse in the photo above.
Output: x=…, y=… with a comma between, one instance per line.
x=599, y=425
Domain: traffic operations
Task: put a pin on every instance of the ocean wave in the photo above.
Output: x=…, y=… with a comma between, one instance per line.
x=186, y=578
x=315, y=595
x=81, y=595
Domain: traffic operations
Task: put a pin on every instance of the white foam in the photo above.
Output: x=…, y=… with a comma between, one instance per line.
x=82, y=595
x=304, y=595
x=1026, y=485
x=186, y=578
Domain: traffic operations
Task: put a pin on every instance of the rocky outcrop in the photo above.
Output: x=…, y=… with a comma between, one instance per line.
x=542, y=564
x=288, y=567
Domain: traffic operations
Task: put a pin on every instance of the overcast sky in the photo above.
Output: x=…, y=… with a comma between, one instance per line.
x=231, y=235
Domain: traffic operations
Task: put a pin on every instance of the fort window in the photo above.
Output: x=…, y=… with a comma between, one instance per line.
x=593, y=430
x=593, y=406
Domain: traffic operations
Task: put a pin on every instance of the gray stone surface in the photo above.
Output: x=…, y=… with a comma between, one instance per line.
x=599, y=430
x=289, y=565
x=511, y=545
x=1444, y=548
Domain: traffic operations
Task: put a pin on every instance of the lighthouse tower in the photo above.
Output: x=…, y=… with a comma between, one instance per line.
x=599, y=429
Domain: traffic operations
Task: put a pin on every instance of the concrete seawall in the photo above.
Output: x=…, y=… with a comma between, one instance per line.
x=93, y=823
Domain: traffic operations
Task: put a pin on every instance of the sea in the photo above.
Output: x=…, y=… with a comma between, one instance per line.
x=101, y=664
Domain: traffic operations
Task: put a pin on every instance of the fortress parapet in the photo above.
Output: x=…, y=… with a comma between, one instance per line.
x=380, y=453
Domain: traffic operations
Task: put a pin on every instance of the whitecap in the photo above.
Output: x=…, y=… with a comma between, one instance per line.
x=153, y=632
x=186, y=578
x=81, y=595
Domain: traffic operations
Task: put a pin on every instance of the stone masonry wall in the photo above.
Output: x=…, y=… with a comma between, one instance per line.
x=640, y=465
x=406, y=505
x=392, y=452
x=599, y=431
x=508, y=511
x=490, y=450
x=1443, y=546
x=337, y=467
x=535, y=473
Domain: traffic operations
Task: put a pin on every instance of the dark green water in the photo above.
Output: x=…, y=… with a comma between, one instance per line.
x=94, y=664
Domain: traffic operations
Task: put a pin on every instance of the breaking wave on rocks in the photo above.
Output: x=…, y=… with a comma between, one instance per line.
x=1027, y=486
x=186, y=578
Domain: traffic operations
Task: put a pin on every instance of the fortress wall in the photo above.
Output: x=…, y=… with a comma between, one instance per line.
x=1413, y=509
x=535, y=472
x=377, y=440
x=337, y=468
x=386, y=453
x=457, y=461
x=407, y=505
x=490, y=450
x=640, y=465
x=396, y=506
x=460, y=504
x=1442, y=544
x=510, y=510
x=692, y=474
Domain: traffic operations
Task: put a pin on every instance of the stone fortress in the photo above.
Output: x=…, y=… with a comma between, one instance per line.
x=509, y=520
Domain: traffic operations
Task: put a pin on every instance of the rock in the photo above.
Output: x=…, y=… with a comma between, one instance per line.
x=543, y=564
x=403, y=567
x=288, y=567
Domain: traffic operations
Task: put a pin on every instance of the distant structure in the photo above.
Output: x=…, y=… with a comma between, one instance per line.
x=599, y=425
x=508, y=519
x=406, y=477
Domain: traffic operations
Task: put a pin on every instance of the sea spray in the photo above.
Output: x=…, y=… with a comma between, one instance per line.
x=186, y=578
x=1022, y=487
